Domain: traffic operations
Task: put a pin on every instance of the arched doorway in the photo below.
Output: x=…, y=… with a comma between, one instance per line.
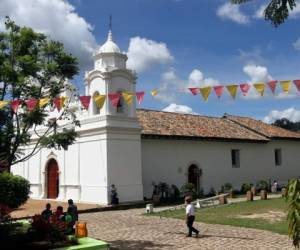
x=194, y=174
x=52, y=179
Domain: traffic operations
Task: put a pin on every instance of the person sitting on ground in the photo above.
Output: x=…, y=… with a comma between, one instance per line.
x=59, y=213
x=69, y=221
x=190, y=216
x=47, y=212
x=73, y=211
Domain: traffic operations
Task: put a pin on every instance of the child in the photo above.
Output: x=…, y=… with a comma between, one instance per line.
x=47, y=212
x=190, y=216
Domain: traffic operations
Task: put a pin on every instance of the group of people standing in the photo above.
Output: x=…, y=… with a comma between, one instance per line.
x=67, y=219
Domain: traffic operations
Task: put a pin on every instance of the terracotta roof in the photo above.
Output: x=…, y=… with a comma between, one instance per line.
x=262, y=128
x=166, y=124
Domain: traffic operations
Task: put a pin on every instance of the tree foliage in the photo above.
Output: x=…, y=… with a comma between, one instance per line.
x=32, y=67
x=293, y=199
x=277, y=11
x=287, y=124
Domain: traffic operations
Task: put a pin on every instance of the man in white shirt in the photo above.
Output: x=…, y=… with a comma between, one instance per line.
x=190, y=216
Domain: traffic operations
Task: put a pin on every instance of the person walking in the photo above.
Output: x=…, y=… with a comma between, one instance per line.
x=190, y=216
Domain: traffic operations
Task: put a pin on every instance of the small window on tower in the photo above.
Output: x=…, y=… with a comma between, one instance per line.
x=278, y=159
x=120, y=106
x=235, y=158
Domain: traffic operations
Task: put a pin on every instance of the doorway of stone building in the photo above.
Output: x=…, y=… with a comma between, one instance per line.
x=52, y=179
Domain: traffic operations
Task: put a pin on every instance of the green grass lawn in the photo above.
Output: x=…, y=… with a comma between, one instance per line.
x=274, y=221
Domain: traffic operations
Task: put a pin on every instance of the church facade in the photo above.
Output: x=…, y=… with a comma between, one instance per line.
x=133, y=149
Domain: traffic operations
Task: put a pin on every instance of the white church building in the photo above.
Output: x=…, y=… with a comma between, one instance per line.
x=134, y=148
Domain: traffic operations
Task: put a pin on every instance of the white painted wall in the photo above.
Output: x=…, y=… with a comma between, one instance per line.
x=168, y=161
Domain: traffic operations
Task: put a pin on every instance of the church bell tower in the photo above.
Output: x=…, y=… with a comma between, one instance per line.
x=119, y=128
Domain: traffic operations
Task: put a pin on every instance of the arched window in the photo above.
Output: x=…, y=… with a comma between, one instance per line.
x=96, y=110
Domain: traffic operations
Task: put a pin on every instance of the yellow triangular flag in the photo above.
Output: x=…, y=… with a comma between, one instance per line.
x=260, y=88
x=99, y=100
x=3, y=104
x=232, y=89
x=43, y=102
x=154, y=92
x=285, y=85
x=63, y=100
x=128, y=97
x=205, y=92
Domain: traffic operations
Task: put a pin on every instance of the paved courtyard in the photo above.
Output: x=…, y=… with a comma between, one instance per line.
x=129, y=229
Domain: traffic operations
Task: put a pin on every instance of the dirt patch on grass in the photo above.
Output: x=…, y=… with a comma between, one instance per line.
x=271, y=216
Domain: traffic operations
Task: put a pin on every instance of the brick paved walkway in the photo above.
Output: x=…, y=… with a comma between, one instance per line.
x=128, y=229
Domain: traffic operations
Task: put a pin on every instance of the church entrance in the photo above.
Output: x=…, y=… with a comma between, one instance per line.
x=194, y=174
x=52, y=179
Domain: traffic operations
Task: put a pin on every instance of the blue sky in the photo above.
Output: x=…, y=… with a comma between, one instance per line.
x=220, y=43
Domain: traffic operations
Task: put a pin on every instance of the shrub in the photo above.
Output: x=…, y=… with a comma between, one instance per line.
x=228, y=186
x=262, y=185
x=14, y=190
x=245, y=187
x=189, y=189
x=212, y=192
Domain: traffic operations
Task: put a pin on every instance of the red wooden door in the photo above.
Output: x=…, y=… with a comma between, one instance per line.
x=53, y=179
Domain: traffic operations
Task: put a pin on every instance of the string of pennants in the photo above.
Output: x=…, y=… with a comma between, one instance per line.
x=58, y=102
x=128, y=97
x=244, y=88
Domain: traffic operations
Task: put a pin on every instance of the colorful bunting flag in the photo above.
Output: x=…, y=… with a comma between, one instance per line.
x=205, y=92
x=31, y=104
x=297, y=84
x=3, y=104
x=140, y=96
x=245, y=88
x=59, y=102
x=154, y=92
x=194, y=91
x=218, y=90
x=99, y=100
x=232, y=89
x=85, y=101
x=128, y=97
x=272, y=85
x=260, y=88
x=14, y=105
x=114, y=98
x=285, y=85
x=43, y=102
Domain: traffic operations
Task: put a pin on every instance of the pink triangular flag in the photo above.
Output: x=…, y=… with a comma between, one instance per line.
x=114, y=98
x=31, y=104
x=245, y=88
x=140, y=96
x=219, y=90
x=14, y=105
x=85, y=101
x=195, y=91
x=272, y=85
x=297, y=84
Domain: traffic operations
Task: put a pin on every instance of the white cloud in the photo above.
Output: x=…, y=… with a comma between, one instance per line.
x=232, y=12
x=196, y=76
x=260, y=12
x=291, y=114
x=172, y=86
x=257, y=73
x=297, y=44
x=144, y=54
x=56, y=18
x=179, y=109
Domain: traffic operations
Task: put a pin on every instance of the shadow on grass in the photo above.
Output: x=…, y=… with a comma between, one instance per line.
x=136, y=244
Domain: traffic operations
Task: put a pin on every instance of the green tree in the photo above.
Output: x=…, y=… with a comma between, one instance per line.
x=277, y=11
x=287, y=124
x=293, y=199
x=32, y=67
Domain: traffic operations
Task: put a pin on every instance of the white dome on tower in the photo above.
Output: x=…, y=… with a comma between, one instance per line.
x=109, y=46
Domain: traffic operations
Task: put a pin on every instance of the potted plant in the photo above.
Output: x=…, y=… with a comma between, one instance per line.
x=246, y=189
x=263, y=185
x=228, y=188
